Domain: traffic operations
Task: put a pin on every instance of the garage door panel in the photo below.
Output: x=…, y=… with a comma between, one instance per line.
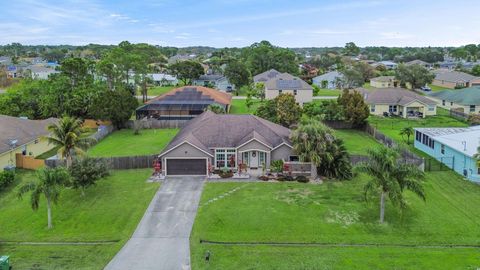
x=186, y=167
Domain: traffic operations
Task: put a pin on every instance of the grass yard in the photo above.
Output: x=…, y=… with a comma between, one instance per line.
x=125, y=143
x=329, y=93
x=357, y=142
x=438, y=88
x=159, y=90
x=239, y=106
x=110, y=211
x=336, y=215
x=391, y=126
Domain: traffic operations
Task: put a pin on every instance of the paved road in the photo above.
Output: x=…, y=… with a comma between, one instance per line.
x=161, y=240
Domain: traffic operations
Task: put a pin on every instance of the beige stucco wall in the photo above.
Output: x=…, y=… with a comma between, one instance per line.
x=444, y=84
x=378, y=84
x=381, y=108
x=303, y=96
x=32, y=148
x=454, y=106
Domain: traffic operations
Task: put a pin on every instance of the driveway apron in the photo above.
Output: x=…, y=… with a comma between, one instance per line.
x=161, y=240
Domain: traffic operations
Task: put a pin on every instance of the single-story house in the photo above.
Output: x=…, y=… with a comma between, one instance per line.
x=419, y=62
x=386, y=64
x=384, y=82
x=285, y=83
x=466, y=100
x=265, y=76
x=163, y=79
x=183, y=103
x=453, y=79
x=454, y=147
x=398, y=101
x=40, y=72
x=223, y=141
x=329, y=80
x=217, y=81
x=20, y=135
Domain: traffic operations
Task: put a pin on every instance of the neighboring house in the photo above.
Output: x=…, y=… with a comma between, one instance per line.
x=163, y=79
x=419, y=62
x=454, y=147
x=215, y=140
x=183, y=103
x=288, y=84
x=384, y=82
x=466, y=100
x=180, y=57
x=19, y=135
x=309, y=70
x=455, y=79
x=386, y=64
x=40, y=72
x=217, y=81
x=5, y=61
x=398, y=101
x=329, y=80
x=265, y=76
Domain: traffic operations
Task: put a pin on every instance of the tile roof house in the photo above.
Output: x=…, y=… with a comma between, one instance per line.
x=19, y=135
x=224, y=141
x=183, y=103
x=384, y=82
x=455, y=79
x=466, y=100
x=329, y=80
x=398, y=101
x=217, y=81
x=454, y=147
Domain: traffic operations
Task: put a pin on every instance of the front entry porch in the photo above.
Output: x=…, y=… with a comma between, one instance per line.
x=254, y=159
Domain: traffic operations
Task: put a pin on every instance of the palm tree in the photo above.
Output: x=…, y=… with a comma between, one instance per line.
x=407, y=131
x=50, y=182
x=390, y=177
x=68, y=136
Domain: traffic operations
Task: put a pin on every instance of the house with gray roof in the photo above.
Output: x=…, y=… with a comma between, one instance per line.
x=224, y=141
x=398, y=101
x=285, y=83
x=384, y=82
x=455, y=79
x=265, y=76
x=386, y=64
x=216, y=81
x=40, y=72
x=329, y=80
x=419, y=62
x=22, y=136
x=466, y=100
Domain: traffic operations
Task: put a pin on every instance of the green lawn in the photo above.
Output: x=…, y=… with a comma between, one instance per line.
x=335, y=213
x=159, y=90
x=438, y=88
x=357, y=142
x=391, y=126
x=110, y=211
x=329, y=92
x=239, y=106
x=125, y=143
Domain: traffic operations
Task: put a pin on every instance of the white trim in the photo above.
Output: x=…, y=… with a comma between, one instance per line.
x=283, y=143
x=250, y=150
x=178, y=145
x=226, y=153
x=254, y=139
x=206, y=163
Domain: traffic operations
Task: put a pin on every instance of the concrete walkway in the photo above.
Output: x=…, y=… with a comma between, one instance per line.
x=161, y=240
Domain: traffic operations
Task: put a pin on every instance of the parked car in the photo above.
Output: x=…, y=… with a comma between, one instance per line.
x=426, y=89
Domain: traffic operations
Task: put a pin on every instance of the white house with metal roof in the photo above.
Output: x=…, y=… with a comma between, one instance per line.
x=454, y=147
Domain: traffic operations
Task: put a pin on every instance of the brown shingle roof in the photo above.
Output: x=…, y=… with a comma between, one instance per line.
x=22, y=130
x=210, y=130
x=219, y=97
x=393, y=96
x=455, y=76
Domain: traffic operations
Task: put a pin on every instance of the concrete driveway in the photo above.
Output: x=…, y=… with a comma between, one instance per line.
x=161, y=240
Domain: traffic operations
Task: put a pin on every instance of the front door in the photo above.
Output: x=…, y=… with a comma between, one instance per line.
x=254, y=159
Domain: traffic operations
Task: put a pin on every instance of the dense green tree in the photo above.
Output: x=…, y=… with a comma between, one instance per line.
x=268, y=110
x=287, y=109
x=187, y=71
x=49, y=184
x=86, y=172
x=390, y=177
x=352, y=78
x=262, y=56
x=355, y=110
x=476, y=70
x=23, y=99
x=328, y=110
x=116, y=106
x=237, y=73
x=414, y=75
x=351, y=49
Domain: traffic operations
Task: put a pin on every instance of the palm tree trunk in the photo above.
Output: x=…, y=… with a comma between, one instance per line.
x=382, y=207
x=49, y=214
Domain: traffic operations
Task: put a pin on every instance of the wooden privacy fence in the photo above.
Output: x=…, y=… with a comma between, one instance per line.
x=116, y=163
x=155, y=123
x=28, y=162
x=459, y=115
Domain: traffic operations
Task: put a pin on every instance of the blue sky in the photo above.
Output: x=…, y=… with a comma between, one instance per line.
x=230, y=23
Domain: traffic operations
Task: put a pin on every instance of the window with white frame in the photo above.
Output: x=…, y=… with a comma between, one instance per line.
x=372, y=108
x=262, y=158
x=472, y=108
x=431, y=108
x=245, y=158
x=224, y=157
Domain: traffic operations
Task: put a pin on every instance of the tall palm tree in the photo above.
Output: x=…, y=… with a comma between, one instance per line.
x=390, y=177
x=407, y=131
x=50, y=182
x=69, y=136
